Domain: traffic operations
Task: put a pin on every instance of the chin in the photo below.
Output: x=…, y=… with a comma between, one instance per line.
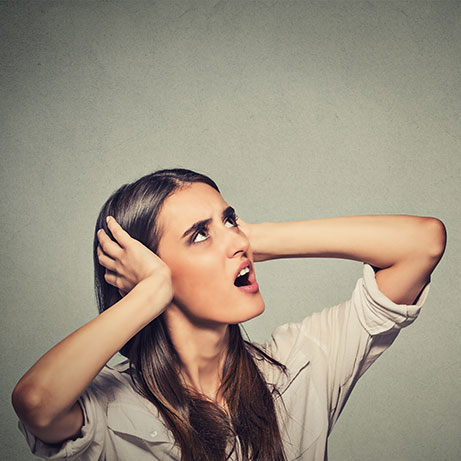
x=255, y=313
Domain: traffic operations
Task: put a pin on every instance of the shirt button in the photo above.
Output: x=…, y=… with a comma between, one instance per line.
x=153, y=434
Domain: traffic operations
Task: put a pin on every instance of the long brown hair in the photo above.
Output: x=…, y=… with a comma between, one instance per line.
x=200, y=427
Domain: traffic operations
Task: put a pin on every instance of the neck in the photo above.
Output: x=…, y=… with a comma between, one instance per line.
x=202, y=350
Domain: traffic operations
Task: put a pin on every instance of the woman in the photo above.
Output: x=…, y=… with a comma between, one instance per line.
x=174, y=278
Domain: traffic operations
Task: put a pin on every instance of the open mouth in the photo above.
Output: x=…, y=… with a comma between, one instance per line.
x=243, y=277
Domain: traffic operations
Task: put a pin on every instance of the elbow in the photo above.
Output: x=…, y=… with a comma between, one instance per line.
x=28, y=405
x=436, y=238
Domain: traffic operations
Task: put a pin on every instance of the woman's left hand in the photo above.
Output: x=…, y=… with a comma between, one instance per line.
x=250, y=231
x=244, y=227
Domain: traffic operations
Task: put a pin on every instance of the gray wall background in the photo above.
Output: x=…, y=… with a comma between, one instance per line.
x=298, y=110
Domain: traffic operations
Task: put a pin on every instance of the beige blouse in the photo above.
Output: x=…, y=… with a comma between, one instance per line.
x=325, y=354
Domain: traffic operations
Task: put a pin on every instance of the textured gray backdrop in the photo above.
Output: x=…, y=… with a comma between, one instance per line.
x=298, y=109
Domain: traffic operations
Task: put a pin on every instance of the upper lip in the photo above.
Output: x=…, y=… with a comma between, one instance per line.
x=244, y=264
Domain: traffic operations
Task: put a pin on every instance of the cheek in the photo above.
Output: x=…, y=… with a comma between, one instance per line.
x=197, y=290
x=191, y=283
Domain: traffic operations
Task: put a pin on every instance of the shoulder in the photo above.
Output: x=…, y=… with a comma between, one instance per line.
x=348, y=325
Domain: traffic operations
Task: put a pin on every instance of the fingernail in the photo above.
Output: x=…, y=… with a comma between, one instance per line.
x=108, y=219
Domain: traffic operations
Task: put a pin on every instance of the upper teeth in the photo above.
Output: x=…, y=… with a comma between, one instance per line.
x=244, y=271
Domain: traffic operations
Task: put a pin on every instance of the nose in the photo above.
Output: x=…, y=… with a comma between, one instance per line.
x=237, y=242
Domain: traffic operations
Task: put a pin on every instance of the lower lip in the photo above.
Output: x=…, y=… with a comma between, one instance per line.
x=253, y=288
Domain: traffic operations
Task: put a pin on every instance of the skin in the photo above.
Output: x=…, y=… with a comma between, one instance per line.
x=193, y=286
x=205, y=298
x=405, y=249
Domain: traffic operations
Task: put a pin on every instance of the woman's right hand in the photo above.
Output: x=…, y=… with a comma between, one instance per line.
x=128, y=262
x=45, y=398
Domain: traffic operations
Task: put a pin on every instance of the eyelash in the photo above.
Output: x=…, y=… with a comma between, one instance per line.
x=206, y=229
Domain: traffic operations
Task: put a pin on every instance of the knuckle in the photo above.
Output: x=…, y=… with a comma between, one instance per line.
x=122, y=261
x=103, y=245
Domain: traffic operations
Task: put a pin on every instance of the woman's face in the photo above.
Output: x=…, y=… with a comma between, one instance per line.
x=204, y=261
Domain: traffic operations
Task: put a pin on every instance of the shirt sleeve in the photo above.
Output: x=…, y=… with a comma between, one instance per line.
x=344, y=340
x=89, y=445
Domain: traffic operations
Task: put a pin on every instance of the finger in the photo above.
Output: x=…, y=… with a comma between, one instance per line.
x=105, y=260
x=117, y=281
x=111, y=278
x=122, y=293
x=111, y=248
x=120, y=234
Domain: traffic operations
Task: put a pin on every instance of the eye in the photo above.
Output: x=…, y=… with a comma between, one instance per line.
x=204, y=230
x=200, y=232
x=233, y=220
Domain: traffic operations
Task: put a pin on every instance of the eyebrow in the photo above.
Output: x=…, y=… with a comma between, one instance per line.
x=228, y=212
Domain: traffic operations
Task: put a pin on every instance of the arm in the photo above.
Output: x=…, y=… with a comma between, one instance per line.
x=405, y=249
x=45, y=398
x=343, y=341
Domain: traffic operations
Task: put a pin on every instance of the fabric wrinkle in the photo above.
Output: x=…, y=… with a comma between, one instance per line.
x=325, y=354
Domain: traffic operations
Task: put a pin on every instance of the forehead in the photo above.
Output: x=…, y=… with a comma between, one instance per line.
x=188, y=205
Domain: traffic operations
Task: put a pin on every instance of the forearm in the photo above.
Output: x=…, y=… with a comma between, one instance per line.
x=379, y=240
x=59, y=377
